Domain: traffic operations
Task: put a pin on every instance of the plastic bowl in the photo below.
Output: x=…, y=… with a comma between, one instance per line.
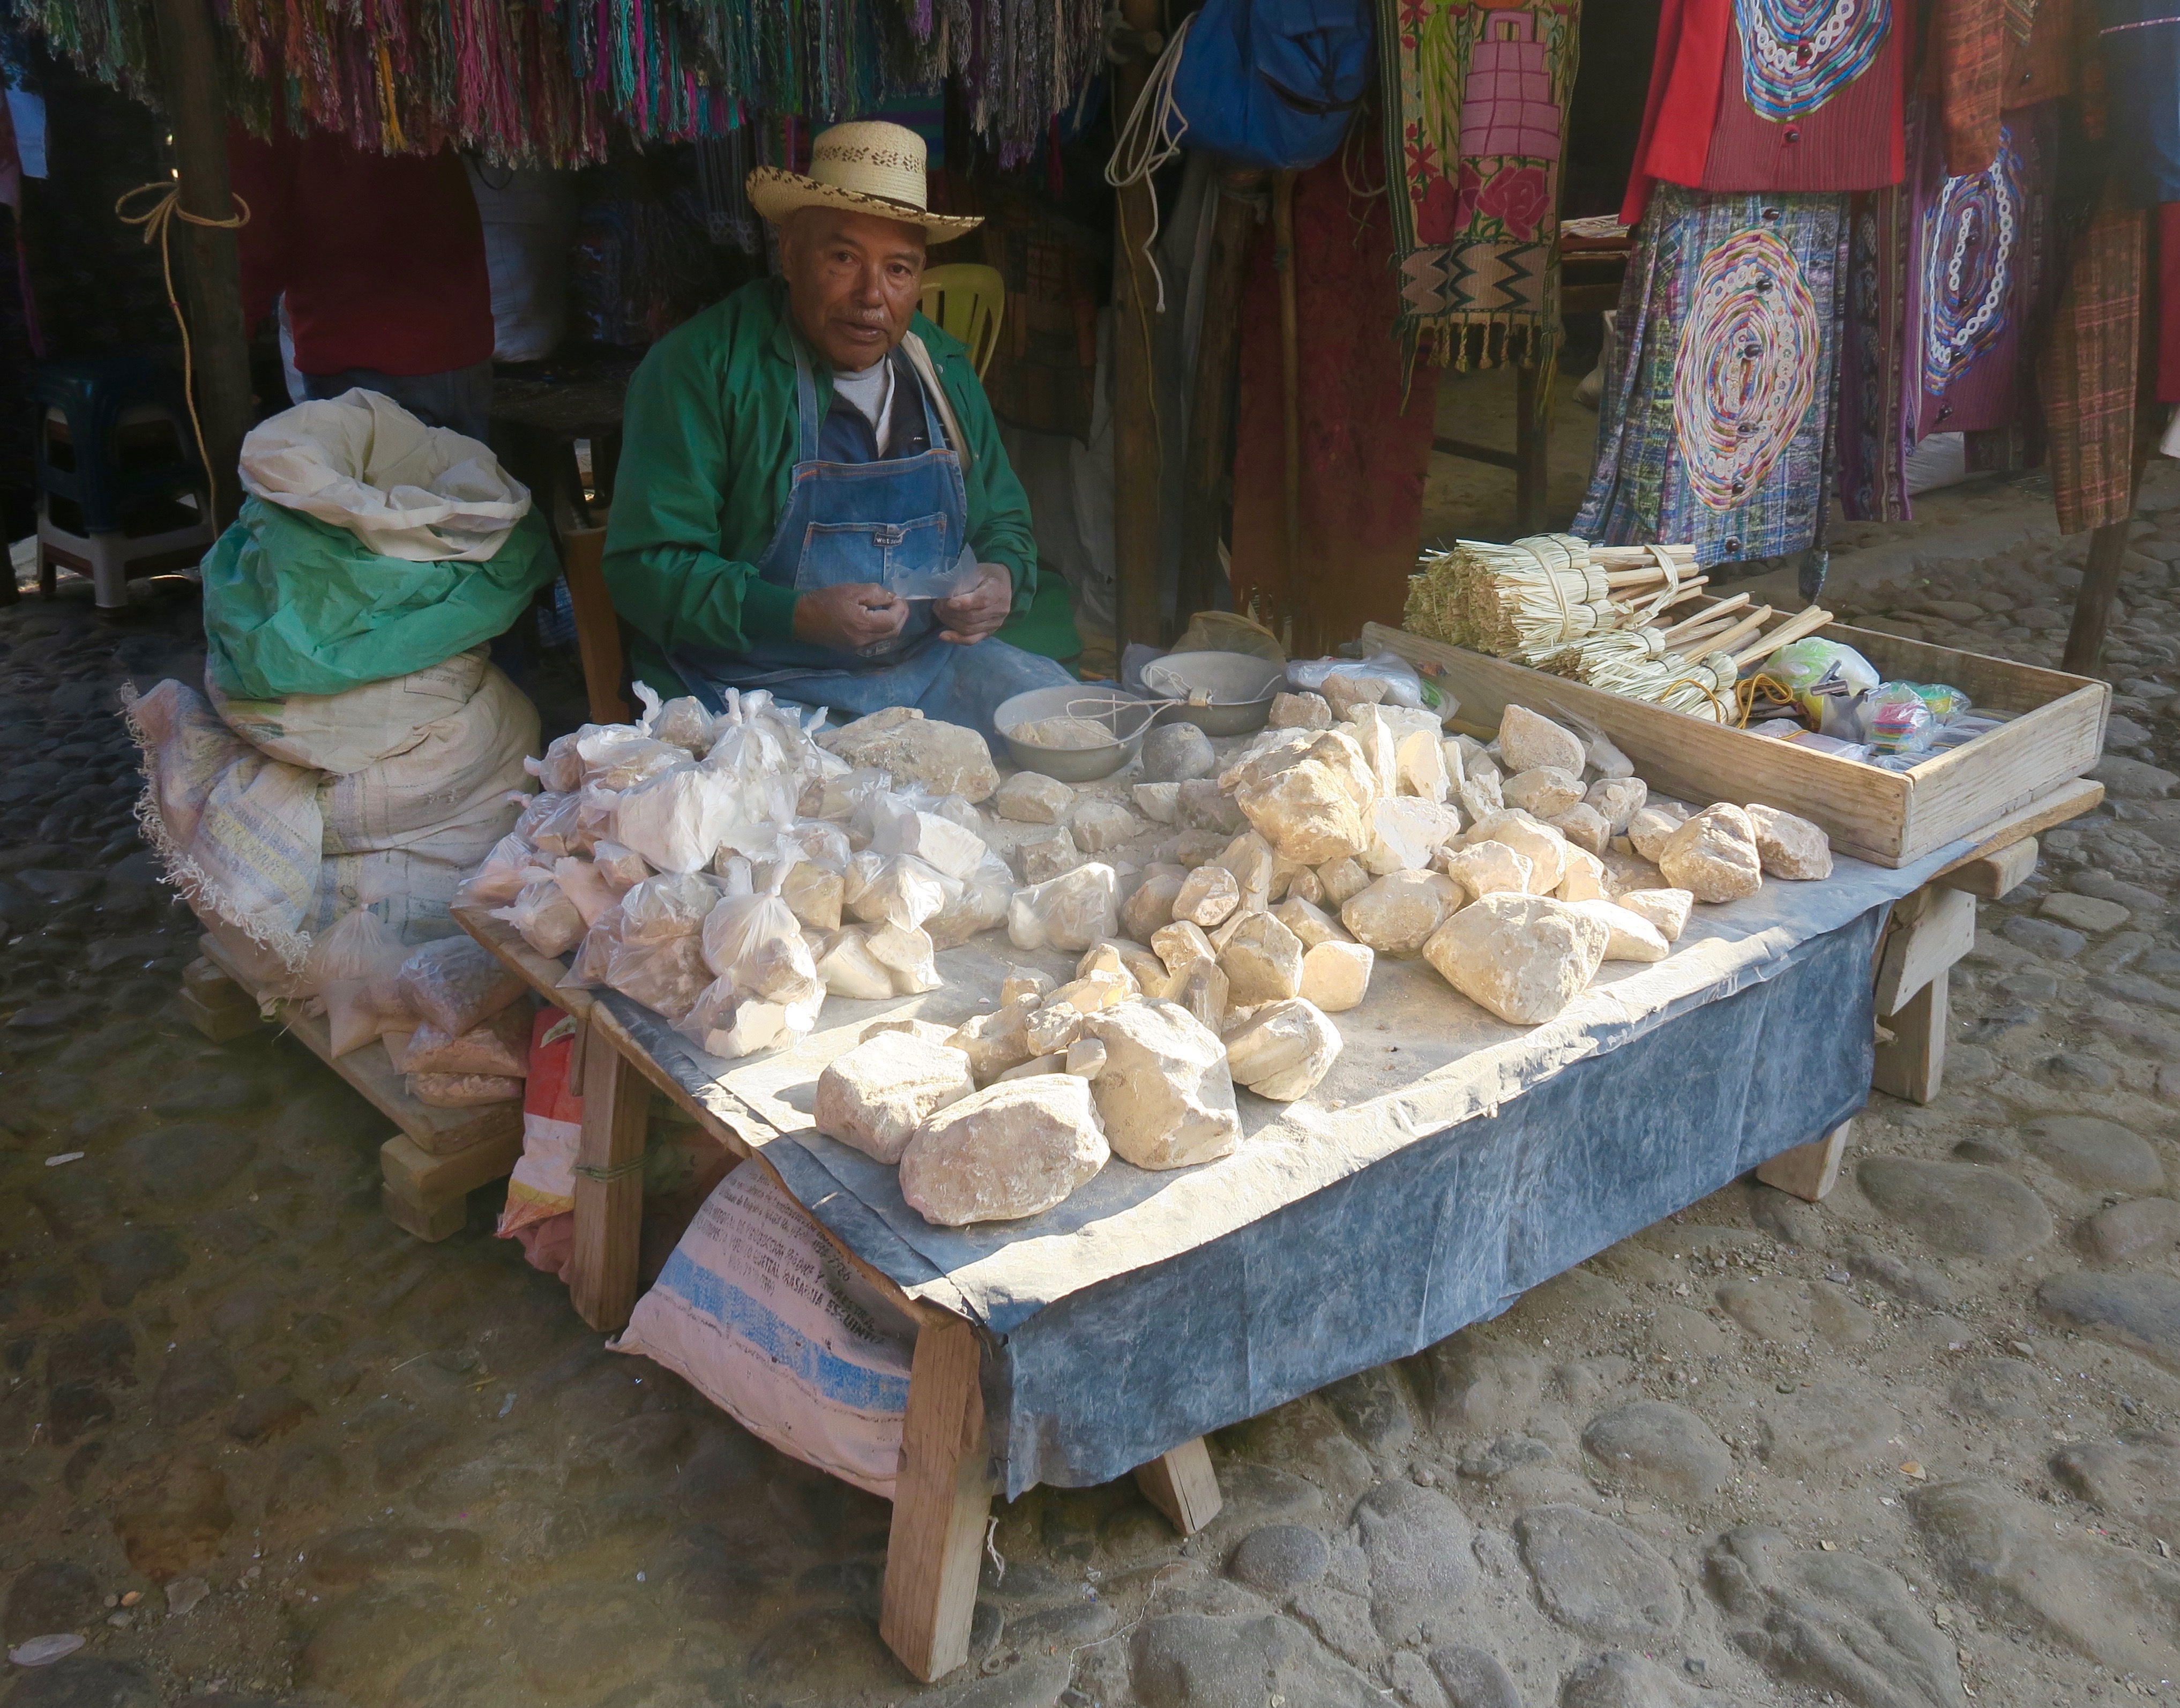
x=1241, y=689
x=1071, y=764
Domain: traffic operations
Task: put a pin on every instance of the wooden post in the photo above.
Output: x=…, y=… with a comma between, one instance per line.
x=1183, y=1485
x=601, y=1274
x=1211, y=409
x=940, y=1499
x=1912, y=1066
x=1136, y=448
x=2085, y=637
x=1283, y=259
x=211, y=259
x=1533, y=383
x=1808, y=1171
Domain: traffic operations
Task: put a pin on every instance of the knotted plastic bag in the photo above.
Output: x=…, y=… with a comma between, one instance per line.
x=455, y=984
x=894, y=889
x=683, y=722
x=582, y=884
x=499, y=876
x=621, y=866
x=549, y=922
x=677, y=819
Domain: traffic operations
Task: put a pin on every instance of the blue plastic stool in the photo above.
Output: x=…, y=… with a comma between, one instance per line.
x=121, y=492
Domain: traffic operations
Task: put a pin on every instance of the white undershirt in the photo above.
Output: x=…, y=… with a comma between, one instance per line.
x=871, y=391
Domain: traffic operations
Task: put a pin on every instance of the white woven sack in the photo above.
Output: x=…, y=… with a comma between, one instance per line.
x=341, y=733
x=455, y=771
x=360, y=461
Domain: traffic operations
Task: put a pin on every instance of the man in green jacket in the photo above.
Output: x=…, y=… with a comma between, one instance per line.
x=812, y=498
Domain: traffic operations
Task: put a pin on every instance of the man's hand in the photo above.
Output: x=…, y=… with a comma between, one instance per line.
x=967, y=618
x=851, y=618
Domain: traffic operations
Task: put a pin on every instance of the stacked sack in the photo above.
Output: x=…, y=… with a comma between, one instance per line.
x=353, y=743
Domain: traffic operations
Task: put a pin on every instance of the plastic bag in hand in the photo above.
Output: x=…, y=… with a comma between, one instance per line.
x=549, y=922
x=455, y=984
x=622, y=867
x=980, y=906
x=499, y=876
x=582, y=884
x=674, y=903
x=361, y=945
x=561, y=768
x=677, y=820
x=895, y=889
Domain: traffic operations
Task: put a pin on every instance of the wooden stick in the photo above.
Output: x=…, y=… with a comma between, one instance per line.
x=1742, y=630
x=1704, y=616
x=1602, y=557
x=1802, y=623
x=602, y=1272
x=941, y=1496
x=1284, y=263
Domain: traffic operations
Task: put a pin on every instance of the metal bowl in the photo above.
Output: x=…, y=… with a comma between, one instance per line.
x=1131, y=719
x=1240, y=689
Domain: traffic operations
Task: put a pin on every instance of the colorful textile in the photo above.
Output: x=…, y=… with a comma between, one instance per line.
x=1366, y=434
x=2088, y=373
x=2141, y=39
x=2168, y=303
x=1479, y=124
x=1971, y=39
x=2039, y=65
x=1718, y=404
x=1777, y=95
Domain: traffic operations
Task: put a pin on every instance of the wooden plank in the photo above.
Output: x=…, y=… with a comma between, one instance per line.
x=1469, y=451
x=434, y=1222
x=1913, y=1064
x=1889, y=818
x=1183, y=1484
x=1939, y=932
x=1209, y=452
x=601, y=1274
x=441, y=1131
x=1137, y=453
x=2069, y=800
x=941, y=1498
x=216, y=1005
x=1995, y=875
x=1808, y=1171
x=2085, y=633
x=425, y=1179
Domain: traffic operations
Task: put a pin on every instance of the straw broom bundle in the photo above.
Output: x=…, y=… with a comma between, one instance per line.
x=1639, y=661
x=1531, y=598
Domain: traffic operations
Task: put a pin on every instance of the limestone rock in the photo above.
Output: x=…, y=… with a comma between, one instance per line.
x=1250, y=858
x=1159, y=802
x=875, y=1096
x=1306, y=813
x=1269, y=751
x=1545, y=848
x=1262, y=961
x=1164, y=1095
x=1617, y=800
x=1025, y=984
x=1633, y=937
x=1283, y=1051
x=1418, y=1543
x=1014, y=1150
x=1543, y=792
x=1790, y=847
x=1208, y=896
x=1344, y=693
x=813, y=896
x=1667, y=910
x=1030, y=797
x=1421, y=766
x=1342, y=878
x=1099, y=825
x=1625, y=870
x=846, y=967
x=1405, y=832
x=1834, y=1622
x=2116, y=1606
x=1336, y=975
x=1339, y=752
x=1203, y=991
x=1303, y=711
x=1176, y=752
x=1584, y=878
x=1583, y=826
x=1593, y=1577
x=1523, y=957
x=1310, y=924
x=1488, y=869
x=995, y=1042
x=1142, y=970
x=1527, y=741
x=1069, y=912
x=1959, y=1208
x=1181, y=945
x=1650, y=828
x=2100, y=1155
x=2141, y=1312
x=1713, y=857
x=1150, y=907
x=1201, y=805
x=945, y=757
x=927, y=1030
x=1665, y=1448
x=1041, y=858
x=1397, y=914
x=935, y=840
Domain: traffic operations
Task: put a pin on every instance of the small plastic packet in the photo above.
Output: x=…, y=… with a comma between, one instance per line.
x=677, y=819
x=622, y=867
x=1946, y=701
x=674, y=903
x=619, y=756
x=583, y=884
x=723, y=1024
x=359, y=945
x=549, y=922
x=499, y=876
x=1896, y=719
x=557, y=832
x=596, y=808
x=683, y=722
x=840, y=796
x=846, y=967
x=501, y=1045
x=895, y=889
x=361, y=1009
x=588, y=969
x=1826, y=681
x=561, y=768
x=1069, y=912
x=821, y=843
x=462, y=1090
x=455, y=984
x=754, y=941
x=980, y=906
x=666, y=976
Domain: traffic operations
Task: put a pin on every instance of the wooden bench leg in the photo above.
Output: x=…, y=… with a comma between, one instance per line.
x=1183, y=1485
x=1913, y=1065
x=1808, y=1171
x=940, y=1501
x=601, y=1274
x=216, y=1005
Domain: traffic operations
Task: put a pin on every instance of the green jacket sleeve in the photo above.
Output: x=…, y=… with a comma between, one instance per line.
x=662, y=562
x=998, y=508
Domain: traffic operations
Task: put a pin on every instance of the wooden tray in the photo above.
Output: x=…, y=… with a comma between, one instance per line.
x=1887, y=818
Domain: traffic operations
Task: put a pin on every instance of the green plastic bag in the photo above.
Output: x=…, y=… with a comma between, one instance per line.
x=294, y=606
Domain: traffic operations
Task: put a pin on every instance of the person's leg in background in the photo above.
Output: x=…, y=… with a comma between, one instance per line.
x=460, y=398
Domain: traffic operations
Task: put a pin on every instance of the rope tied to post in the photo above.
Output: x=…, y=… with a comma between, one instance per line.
x=158, y=222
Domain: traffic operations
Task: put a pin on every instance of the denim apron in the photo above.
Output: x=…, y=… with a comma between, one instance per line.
x=847, y=523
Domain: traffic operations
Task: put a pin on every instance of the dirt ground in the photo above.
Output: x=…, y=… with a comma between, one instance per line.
x=1916, y=1447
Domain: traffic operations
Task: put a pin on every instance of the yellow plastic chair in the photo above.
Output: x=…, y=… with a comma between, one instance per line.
x=968, y=300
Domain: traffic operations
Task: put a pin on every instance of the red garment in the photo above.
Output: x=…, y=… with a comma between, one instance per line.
x=2168, y=302
x=1366, y=439
x=1700, y=130
x=381, y=256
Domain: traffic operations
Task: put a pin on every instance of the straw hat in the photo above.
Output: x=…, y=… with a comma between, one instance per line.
x=866, y=166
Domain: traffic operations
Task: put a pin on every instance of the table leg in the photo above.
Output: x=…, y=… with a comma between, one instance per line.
x=1808, y=1171
x=941, y=1499
x=1913, y=1065
x=601, y=1274
x=1183, y=1485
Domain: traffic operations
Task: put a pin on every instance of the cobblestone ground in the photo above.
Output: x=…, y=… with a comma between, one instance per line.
x=1915, y=1448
